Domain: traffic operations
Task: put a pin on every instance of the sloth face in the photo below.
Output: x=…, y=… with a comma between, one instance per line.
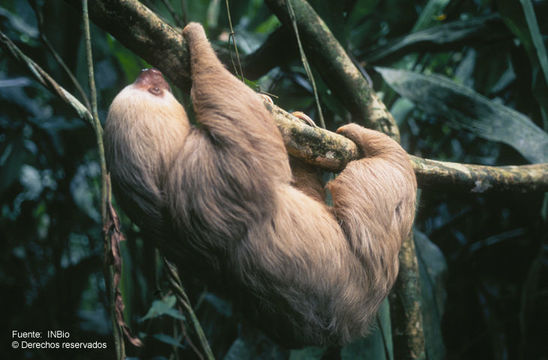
x=152, y=81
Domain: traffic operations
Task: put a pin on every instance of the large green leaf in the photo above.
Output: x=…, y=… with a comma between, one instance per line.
x=455, y=34
x=463, y=107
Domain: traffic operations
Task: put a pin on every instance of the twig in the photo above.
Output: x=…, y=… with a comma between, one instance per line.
x=137, y=27
x=187, y=337
x=233, y=37
x=111, y=228
x=49, y=46
x=93, y=91
x=305, y=63
x=45, y=79
x=109, y=271
x=182, y=298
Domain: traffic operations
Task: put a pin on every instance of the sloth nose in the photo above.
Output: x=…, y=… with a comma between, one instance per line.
x=153, y=71
x=152, y=79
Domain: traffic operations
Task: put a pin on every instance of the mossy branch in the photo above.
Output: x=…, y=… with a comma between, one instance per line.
x=332, y=151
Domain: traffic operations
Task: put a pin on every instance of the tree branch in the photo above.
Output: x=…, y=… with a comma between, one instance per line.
x=405, y=306
x=145, y=34
x=332, y=152
x=442, y=175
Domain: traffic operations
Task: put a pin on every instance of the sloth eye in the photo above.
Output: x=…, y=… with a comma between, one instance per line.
x=155, y=91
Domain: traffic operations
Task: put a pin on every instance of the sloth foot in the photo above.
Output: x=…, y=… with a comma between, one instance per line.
x=364, y=138
x=193, y=29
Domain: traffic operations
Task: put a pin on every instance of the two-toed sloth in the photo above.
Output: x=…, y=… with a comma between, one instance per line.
x=222, y=201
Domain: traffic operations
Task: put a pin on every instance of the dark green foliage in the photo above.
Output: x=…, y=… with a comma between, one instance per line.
x=485, y=293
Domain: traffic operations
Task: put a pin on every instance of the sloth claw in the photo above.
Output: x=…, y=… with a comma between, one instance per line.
x=353, y=132
x=304, y=118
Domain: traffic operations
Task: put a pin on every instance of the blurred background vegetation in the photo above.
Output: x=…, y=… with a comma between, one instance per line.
x=485, y=293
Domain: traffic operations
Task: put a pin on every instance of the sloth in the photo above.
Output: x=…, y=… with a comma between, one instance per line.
x=223, y=200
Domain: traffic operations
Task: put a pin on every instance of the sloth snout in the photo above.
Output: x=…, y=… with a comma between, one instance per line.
x=153, y=81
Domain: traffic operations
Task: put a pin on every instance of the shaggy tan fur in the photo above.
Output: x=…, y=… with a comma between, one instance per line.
x=221, y=200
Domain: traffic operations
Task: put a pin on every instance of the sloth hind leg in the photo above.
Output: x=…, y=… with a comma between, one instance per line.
x=374, y=201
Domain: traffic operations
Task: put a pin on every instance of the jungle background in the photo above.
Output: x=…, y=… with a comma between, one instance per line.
x=483, y=257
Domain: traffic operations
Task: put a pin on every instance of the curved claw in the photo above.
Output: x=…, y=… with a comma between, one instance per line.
x=305, y=118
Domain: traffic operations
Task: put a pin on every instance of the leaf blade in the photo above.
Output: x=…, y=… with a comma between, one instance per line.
x=465, y=108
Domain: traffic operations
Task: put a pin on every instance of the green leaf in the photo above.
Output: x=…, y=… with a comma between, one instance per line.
x=377, y=343
x=361, y=9
x=268, y=26
x=198, y=10
x=12, y=158
x=520, y=20
x=536, y=36
x=223, y=307
x=385, y=328
x=481, y=29
x=464, y=108
x=429, y=16
x=213, y=13
x=253, y=345
x=163, y=307
x=239, y=350
x=129, y=62
x=18, y=24
x=81, y=189
x=307, y=353
x=168, y=339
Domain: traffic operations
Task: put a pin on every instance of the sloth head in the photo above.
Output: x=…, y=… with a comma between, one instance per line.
x=145, y=128
x=148, y=99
